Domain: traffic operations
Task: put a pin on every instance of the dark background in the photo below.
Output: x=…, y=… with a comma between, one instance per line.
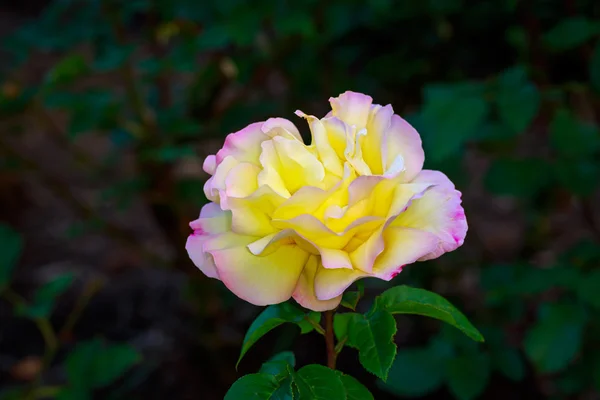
x=108, y=108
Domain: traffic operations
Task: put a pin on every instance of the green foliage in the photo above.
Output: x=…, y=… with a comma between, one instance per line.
x=552, y=343
x=95, y=364
x=468, y=375
x=373, y=336
x=517, y=177
x=416, y=372
x=277, y=380
x=451, y=115
x=407, y=300
x=351, y=297
x=45, y=297
x=12, y=244
x=570, y=33
x=254, y=387
x=272, y=317
x=316, y=382
x=517, y=99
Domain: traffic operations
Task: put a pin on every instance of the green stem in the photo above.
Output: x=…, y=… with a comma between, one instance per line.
x=329, y=339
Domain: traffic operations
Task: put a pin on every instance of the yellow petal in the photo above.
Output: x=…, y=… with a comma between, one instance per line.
x=304, y=293
x=265, y=280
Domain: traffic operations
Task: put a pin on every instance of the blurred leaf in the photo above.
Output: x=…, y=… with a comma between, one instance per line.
x=214, y=37
x=67, y=70
x=299, y=22
x=415, y=372
x=12, y=245
x=373, y=336
x=468, y=375
x=572, y=138
x=317, y=382
x=112, y=57
x=92, y=110
x=45, y=297
x=94, y=364
x=167, y=154
x=589, y=287
x=517, y=177
x=353, y=388
x=407, y=300
x=70, y=393
x=570, y=33
x=451, y=115
x=253, y=387
x=579, y=176
x=269, y=319
x=595, y=67
x=518, y=99
x=555, y=339
x=508, y=361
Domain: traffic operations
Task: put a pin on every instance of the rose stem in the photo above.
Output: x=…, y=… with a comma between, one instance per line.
x=331, y=354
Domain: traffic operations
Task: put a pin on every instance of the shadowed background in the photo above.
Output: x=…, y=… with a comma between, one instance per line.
x=108, y=108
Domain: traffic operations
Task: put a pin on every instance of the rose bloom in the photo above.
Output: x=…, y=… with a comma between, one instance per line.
x=291, y=220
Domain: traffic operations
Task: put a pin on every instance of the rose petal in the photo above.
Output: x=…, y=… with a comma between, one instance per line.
x=304, y=293
x=352, y=108
x=438, y=211
x=265, y=280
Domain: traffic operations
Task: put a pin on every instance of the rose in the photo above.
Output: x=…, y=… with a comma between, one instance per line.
x=291, y=220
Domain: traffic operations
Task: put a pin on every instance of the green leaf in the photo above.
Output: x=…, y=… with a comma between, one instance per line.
x=350, y=300
x=588, y=288
x=572, y=138
x=317, y=382
x=415, y=372
x=552, y=343
x=253, y=387
x=341, y=322
x=570, y=33
x=408, y=300
x=468, y=375
x=373, y=336
x=305, y=325
x=354, y=389
x=45, y=297
x=508, y=361
x=269, y=319
x=451, y=115
x=278, y=364
x=95, y=364
x=517, y=177
x=12, y=245
x=595, y=68
x=518, y=99
x=67, y=70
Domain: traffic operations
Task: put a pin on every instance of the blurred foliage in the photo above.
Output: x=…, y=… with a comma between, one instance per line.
x=506, y=96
